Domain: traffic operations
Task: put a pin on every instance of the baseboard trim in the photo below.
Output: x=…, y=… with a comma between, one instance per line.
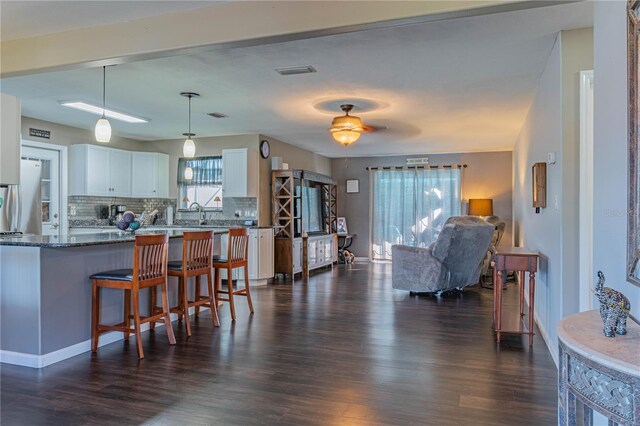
x=553, y=349
x=41, y=361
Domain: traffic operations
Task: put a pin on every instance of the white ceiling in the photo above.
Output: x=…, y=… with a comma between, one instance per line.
x=25, y=18
x=451, y=86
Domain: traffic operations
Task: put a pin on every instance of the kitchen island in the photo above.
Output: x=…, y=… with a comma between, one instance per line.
x=45, y=291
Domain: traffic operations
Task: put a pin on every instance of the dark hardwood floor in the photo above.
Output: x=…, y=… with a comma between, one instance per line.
x=343, y=348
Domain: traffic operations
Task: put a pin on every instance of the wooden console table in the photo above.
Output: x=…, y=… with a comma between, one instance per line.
x=601, y=372
x=520, y=260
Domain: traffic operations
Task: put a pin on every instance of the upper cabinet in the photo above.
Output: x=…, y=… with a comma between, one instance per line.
x=240, y=169
x=150, y=175
x=9, y=140
x=101, y=171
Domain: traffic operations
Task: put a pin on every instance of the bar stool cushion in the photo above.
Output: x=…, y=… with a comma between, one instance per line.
x=115, y=275
x=218, y=259
x=175, y=265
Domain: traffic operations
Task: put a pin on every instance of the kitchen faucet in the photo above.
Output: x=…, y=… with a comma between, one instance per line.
x=201, y=213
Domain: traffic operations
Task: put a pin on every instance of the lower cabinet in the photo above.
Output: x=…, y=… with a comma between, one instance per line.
x=297, y=255
x=260, y=255
x=321, y=251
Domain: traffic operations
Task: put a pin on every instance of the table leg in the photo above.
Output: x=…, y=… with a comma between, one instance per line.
x=498, y=289
x=532, y=292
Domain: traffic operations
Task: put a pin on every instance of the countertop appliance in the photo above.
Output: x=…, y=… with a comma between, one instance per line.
x=21, y=206
x=117, y=211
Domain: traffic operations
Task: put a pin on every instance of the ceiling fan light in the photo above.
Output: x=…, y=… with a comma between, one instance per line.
x=189, y=148
x=346, y=137
x=347, y=122
x=188, y=173
x=103, y=130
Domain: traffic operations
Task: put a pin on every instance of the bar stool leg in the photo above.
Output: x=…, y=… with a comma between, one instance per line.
x=214, y=304
x=197, y=296
x=185, y=304
x=136, y=321
x=217, y=284
x=95, y=315
x=127, y=312
x=153, y=298
x=167, y=316
x=230, y=283
x=180, y=291
x=246, y=286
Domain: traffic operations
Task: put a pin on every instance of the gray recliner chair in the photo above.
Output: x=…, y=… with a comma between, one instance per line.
x=454, y=260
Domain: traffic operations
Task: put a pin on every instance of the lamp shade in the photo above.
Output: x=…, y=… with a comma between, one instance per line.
x=346, y=128
x=189, y=148
x=481, y=207
x=103, y=130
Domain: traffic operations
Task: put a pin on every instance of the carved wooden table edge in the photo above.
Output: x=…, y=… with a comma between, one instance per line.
x=594, y=377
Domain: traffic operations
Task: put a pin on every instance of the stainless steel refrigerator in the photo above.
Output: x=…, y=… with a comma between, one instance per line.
x=21, y=205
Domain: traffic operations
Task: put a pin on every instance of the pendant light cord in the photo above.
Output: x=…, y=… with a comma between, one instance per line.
x=189, y=136
x=104, y=87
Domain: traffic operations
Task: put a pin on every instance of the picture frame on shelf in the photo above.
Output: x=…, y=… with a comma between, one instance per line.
x=342, y=226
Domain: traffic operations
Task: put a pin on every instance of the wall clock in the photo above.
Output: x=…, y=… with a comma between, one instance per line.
x=265, y=149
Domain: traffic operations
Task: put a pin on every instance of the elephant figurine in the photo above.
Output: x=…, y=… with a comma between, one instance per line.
x=614, y=308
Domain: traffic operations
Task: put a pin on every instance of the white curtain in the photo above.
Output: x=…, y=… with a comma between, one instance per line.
x=409, y=206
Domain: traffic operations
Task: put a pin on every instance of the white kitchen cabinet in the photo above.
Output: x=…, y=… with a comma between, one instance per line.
x=240, y=171
x=99, y=171
x=260, y=253
x=120, y=172
x=150, y=175
x=9, y=139
x=263, y=258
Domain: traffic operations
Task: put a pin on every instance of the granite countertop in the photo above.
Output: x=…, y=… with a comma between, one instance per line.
x=176, y=227
x=54, y=241
x=582, y=332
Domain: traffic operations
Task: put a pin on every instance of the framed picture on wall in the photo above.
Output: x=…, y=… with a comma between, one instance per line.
x=353, y=186
x=342, y=226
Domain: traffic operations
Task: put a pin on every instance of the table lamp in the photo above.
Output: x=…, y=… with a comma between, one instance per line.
x=480, y=207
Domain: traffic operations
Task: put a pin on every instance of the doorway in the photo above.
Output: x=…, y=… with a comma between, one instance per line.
x=53, y=184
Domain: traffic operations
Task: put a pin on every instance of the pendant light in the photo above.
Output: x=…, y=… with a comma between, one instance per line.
x=103, y=127
x=189, y=147
x=346, y=129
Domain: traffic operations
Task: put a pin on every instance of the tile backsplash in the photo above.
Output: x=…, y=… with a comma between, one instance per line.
x=89, y=207
x=86, y=207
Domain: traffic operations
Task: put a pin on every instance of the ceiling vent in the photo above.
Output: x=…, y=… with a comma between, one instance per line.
x=217, y=115
x=296, y=70
x=417, y=161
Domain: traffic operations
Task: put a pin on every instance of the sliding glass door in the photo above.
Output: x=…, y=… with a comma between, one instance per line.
x=409, y=206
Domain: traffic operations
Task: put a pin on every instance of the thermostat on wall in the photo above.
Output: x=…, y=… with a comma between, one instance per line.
x=551, y=158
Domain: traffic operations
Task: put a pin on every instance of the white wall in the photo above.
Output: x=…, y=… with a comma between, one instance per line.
x=542, y=132
x=610, y=140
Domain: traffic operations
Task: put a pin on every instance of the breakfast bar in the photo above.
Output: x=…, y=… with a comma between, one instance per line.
x=45, y=292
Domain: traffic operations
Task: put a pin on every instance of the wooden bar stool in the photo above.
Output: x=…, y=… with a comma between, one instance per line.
x=197, y=248
x=150, y=266
x=237, y=250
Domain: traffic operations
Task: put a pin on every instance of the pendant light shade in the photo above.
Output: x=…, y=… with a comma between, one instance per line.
x=188, y=173
x=346, y=129
x=103, y=130
x=189, y=147
x=103, y=127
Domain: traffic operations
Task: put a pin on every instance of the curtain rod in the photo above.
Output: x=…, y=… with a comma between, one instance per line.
x=450, y=166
